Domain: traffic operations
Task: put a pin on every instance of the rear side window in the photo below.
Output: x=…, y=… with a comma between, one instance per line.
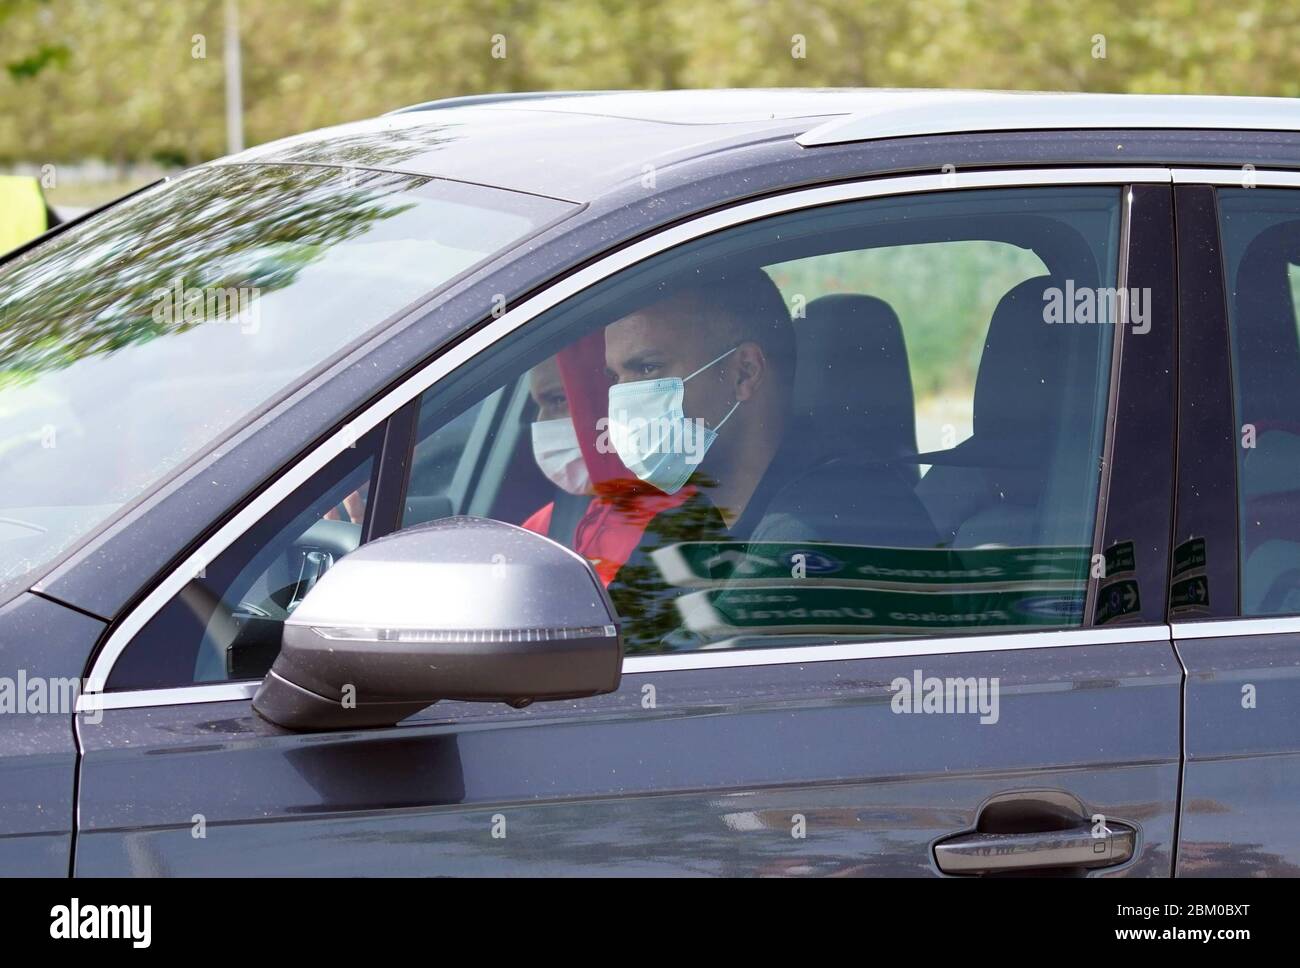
x=1261, y=244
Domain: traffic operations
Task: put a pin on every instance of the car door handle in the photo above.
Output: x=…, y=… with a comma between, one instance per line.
x=1081, y=847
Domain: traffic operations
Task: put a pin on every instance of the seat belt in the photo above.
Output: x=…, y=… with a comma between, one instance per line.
x=566, y=511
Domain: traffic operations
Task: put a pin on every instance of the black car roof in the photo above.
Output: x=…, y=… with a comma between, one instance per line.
x=580, y=145
x=575, y=147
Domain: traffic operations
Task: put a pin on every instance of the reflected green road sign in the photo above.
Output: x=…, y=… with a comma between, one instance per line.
x=805, y=608
x=703, y=564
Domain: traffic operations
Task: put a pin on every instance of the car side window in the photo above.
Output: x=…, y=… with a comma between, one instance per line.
x=868, y=420
x=1261, y=246
x=877, y=419
x=225, y=623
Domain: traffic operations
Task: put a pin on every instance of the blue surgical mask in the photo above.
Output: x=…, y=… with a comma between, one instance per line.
x=653, y=437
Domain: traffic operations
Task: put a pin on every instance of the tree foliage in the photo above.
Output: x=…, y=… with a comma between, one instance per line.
x=143, y=79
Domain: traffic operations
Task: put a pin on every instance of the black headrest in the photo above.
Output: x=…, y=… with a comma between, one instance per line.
x=853, y=384
x=1023, y=393
x=1020, y=383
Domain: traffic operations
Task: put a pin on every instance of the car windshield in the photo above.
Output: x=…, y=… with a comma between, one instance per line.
x=133, y=342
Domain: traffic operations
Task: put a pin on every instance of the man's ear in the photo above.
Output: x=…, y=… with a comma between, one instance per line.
x=750, y=369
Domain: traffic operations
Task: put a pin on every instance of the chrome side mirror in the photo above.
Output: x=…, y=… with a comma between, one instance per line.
x=461, y=608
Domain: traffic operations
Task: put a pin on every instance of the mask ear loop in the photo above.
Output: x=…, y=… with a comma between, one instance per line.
x=711, y=362
x=727, y=417
x=717, y=359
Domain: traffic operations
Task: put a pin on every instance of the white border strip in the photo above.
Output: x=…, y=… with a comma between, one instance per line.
x=914, y=113
x=174, y=696
x=741, y=658
x=458, y=355
x=949, y=645
x=1240, y=177
x=1223, y=628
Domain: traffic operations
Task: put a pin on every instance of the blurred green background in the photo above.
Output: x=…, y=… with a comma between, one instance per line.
x=109, y=91
x=106, y=95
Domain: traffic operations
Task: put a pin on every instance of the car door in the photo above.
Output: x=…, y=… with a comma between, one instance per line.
x=998, y=695
x=1236, y=571
x=44, y=646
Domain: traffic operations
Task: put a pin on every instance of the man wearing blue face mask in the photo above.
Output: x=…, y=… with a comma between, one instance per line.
x=700, y=407
x=701, y=389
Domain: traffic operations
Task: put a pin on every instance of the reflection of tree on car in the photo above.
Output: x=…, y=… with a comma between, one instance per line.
x=92, y=295
x=112, y=359
x=204, y=238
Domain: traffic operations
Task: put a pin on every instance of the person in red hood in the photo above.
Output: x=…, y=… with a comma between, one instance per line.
x=609, y=528
x=677, y=410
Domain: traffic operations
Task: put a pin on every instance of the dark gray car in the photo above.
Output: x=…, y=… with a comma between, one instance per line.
x=727, y=483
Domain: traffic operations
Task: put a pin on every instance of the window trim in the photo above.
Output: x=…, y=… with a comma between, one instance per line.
x=481, y=339
x=1234, y=624
x=1136, y=501
x=1235, y=177
x=1221, y=628
x=1250, y=625
x=1207, y=499
x=734, y=659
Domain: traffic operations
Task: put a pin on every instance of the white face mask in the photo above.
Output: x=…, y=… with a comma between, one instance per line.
x=556, y=450
x=653, y=437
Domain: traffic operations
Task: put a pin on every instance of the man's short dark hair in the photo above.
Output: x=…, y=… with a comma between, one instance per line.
x=751, y=302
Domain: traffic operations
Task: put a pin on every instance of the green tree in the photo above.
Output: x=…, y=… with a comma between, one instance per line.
x=144, y=79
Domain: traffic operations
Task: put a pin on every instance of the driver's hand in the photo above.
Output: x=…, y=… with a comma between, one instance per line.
x=354, y=504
